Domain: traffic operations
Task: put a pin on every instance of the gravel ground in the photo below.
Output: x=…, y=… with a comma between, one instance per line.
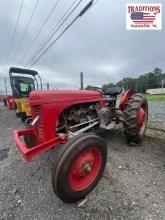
x=132, y=187
x=157, y=114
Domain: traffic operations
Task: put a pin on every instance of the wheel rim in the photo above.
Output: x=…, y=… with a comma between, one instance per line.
x=142, y=118
x=85, y=169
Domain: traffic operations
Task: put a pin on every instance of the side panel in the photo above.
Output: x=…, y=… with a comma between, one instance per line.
x=45, y=128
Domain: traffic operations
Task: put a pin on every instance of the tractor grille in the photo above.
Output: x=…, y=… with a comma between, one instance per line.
x=39, y=124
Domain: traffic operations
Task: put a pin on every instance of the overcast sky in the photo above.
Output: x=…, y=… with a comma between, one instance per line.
x=98, y=44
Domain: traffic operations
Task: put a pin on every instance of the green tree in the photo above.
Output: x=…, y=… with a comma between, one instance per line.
x=151, y=80
x=142, y=83
x=105, y=87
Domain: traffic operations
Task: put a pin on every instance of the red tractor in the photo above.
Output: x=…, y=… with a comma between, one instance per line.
x=71, y=117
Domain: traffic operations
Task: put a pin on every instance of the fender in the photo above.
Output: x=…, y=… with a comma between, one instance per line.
x=124, y=99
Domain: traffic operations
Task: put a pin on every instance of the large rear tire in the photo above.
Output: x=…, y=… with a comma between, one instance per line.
x=79, y=167
x=136, y=117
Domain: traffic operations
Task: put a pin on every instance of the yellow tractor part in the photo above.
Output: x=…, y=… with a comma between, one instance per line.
x=23, y=81
x=23, y=108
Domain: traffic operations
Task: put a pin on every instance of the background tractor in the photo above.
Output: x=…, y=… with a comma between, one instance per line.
x=21, y=86
x=10, y=102
x=70, y=118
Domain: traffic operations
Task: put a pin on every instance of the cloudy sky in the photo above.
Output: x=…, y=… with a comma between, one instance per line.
x=98, y=44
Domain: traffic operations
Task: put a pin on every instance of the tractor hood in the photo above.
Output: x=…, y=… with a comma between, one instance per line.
x=60, y=96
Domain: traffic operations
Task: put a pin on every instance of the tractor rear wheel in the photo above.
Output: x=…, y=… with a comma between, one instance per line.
x=136, y=117
x=79, y=167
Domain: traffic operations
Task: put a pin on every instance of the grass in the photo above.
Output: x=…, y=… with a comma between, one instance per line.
x=156, y=97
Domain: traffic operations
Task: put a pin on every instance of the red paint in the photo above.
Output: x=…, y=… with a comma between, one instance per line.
x=85, y=169
x=10, y=102
x=124, y=99
x=49, y=105
x=29, y=153
x=103, y=104
x=141, y=117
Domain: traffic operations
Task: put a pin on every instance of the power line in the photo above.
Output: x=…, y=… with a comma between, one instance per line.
x=14, y=32
x=55, y=29
x=38, y=32
x=96, y=2
x=83, y=11
x=26, y=29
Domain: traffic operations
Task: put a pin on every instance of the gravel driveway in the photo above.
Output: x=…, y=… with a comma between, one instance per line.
x=132, y=187
x=157, y=114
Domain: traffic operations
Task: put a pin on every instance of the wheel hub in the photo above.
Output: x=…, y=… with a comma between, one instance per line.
x=84, y=169
x=87, y=167
x=83, y=164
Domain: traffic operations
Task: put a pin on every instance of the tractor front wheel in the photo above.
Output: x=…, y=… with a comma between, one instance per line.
x=136, y=117
x=79, y=167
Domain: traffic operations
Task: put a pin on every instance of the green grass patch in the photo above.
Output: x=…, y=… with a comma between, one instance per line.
x=155, y=97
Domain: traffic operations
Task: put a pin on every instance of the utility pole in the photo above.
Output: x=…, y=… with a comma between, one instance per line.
x=5, y=86
x=81, y=81
x=47, y=85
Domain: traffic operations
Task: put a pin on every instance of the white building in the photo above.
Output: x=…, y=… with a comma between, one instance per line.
x=156, y=91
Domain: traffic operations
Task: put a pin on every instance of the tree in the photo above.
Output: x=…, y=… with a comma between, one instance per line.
x=151, y=80
x=158, y=77
x=142, y=83
x=105, y=87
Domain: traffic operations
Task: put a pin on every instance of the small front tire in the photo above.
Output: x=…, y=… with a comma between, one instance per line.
x=79, y=167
